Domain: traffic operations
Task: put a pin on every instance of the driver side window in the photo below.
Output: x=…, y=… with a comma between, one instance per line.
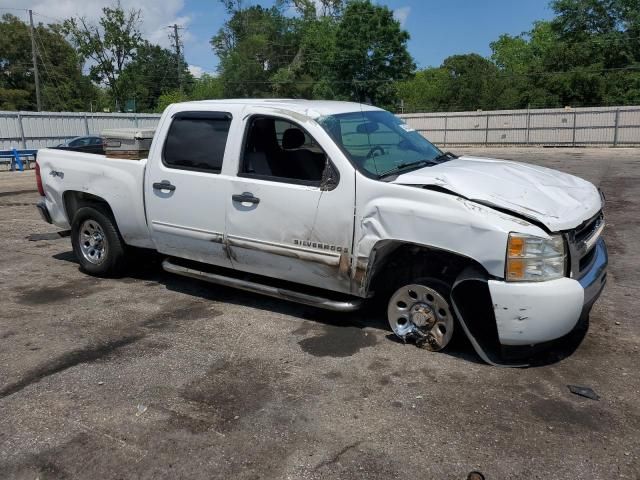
x=279, y=150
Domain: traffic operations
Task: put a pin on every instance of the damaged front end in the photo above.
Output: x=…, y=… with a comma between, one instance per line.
x=471, y=301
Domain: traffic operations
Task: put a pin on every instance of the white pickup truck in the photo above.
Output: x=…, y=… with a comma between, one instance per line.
x=331, y=203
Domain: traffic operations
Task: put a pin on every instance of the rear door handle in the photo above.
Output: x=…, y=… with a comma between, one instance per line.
x=245, y=198
x=164, y=185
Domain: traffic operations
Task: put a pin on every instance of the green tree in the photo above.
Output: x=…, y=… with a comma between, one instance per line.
x=370, y=54
x=253, y=45
x=473, y=82
x=111, y=44
x=425, y=91
x=207, y=87
x=167, y=98
x=152, y=72
x=319, y=8
x=63, y=86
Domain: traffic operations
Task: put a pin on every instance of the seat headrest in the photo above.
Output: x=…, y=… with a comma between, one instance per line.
x=292, y=138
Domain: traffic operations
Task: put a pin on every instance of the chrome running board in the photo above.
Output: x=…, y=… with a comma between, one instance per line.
x=304, y=298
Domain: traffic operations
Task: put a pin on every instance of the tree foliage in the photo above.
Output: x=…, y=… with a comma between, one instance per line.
x=111, y=44
x=152, y=72
x=587, y=54
x=332, y=49
x=371, y=53
x=63, y=85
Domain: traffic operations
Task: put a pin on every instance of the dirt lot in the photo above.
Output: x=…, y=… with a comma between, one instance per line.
x=154, y=376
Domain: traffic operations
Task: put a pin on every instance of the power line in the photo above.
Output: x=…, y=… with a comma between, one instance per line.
x=57, y=19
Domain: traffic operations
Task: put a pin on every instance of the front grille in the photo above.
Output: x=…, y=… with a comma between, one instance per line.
x=581, y=242
x=586, y=230
x=585, y=261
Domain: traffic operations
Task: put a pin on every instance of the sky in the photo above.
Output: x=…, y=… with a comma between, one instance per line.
x=438, y=28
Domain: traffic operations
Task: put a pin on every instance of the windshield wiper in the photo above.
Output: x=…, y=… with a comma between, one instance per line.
x=445, y=156
x=404, y=166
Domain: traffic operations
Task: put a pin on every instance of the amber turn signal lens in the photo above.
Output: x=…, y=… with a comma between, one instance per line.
x=516, y=247
x=516, y=268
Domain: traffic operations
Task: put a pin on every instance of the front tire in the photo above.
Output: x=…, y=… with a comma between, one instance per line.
x=420, y=311
x=97, y=243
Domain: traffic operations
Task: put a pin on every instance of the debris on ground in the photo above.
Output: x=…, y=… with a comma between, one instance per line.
x=584, y=392
x=475, y=476
x=141, y=409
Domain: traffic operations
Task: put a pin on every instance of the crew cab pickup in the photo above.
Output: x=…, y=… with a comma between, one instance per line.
x=332, y=203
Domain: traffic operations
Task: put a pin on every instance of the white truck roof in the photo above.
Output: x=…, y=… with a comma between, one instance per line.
x=308, y=108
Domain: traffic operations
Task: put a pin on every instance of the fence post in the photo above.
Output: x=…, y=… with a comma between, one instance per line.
x=575, y=117
x=528, y=124
x=135, y=120
x=86, y=125
x=486, y=132
x=446, y=121
x=615, y=132
x=21, y=130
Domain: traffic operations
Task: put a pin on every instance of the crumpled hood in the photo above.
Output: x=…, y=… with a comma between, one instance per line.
x=557, y=200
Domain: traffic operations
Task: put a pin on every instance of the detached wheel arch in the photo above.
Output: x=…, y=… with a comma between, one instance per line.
x=96, y=241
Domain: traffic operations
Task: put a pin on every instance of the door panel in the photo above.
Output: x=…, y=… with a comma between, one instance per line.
x=280, y=223
x=188, y=222
x=186, y=194
x=295, y=233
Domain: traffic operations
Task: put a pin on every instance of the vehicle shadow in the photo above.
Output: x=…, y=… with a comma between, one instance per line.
x=148, y=267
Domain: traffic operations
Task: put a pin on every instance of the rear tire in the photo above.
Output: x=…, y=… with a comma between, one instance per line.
x=97, y=243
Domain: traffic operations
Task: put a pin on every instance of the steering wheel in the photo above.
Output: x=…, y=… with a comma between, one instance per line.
x=374, y=149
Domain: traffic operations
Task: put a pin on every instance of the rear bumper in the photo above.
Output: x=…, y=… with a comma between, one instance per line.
x=534, y=313
x=44, y=211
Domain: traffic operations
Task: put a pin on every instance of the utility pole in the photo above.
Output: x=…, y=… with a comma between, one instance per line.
x=176, y=43
x=35, y=62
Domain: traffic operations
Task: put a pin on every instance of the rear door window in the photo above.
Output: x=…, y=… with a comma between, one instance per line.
x=197, y=141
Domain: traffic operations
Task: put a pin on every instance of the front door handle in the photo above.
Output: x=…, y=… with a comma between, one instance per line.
x=245, y=197
x=164, y=185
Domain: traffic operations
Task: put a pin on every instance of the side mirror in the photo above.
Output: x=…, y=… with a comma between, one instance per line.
x=330, y=177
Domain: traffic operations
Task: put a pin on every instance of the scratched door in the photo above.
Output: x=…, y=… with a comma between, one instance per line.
x=292, y=229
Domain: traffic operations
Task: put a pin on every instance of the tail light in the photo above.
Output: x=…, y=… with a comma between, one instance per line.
x=39, y=180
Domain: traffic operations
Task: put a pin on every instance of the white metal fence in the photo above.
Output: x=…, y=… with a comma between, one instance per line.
x=33, y=130
x=601, y=126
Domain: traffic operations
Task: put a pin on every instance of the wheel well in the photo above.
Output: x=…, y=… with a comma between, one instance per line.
x=392, y=257
x=74, y=200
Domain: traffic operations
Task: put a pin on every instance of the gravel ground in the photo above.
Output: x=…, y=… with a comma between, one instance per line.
x=155, y=376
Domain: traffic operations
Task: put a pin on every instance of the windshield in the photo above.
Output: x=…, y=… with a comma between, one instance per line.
x=378, y=142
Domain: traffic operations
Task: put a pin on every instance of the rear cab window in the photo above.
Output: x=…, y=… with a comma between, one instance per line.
x=197, y=141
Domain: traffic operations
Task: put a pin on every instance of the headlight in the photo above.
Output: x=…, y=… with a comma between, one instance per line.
x=534, y=259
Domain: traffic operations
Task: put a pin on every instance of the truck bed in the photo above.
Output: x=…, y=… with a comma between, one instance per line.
x=117, y=181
